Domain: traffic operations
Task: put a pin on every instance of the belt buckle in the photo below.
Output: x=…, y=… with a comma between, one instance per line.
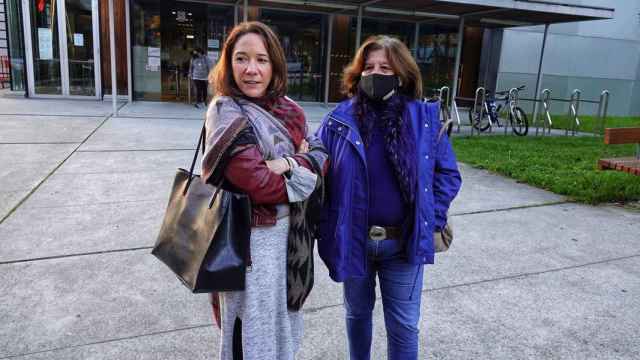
x=377, y=233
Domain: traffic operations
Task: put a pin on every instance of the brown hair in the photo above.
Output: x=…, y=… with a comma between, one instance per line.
x=400, y=59
x=221, y=76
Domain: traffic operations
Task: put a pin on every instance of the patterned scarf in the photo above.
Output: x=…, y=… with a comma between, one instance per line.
x=280, y=127
x=289, y=113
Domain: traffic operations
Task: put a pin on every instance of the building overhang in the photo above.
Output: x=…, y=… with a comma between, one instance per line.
x=482, y=13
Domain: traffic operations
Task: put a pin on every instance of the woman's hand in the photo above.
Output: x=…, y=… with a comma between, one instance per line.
x=304, y=147
x=278, y=166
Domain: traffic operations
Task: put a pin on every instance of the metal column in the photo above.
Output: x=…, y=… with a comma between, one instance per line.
x=235, y=14
x=64, y=50
x=28, y=48
x=456, y=69
x=539, y=79
x=129, y=70
x=359, y=28
x=245, y=11
x=95, y=14
x=416, y=35
x=112, y=45
x=327, y=74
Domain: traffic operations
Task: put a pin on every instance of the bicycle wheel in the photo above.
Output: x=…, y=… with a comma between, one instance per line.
x=478, y=123
x=519, y=125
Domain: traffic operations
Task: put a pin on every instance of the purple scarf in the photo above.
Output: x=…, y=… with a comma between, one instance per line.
x=400, y=145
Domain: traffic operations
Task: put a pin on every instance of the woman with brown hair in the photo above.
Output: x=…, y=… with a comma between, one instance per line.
x=257, y=144
x=392, y=176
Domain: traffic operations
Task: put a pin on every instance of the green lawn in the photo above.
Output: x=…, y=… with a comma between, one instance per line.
x=587, y=122
x=563, y=165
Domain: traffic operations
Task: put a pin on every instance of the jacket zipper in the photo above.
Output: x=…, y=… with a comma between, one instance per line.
x=366, y=177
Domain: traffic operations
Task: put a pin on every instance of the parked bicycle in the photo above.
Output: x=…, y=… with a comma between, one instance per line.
x=488, y=114
x=445, y=114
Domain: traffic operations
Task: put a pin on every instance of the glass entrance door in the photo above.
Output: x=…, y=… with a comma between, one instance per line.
x=47, y=74
x=61, y=47
x=80, y=49
x=184, y=29
x=164, y=36
x=187, y=26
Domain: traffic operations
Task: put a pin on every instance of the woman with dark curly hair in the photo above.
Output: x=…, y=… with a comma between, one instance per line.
x=391, y=179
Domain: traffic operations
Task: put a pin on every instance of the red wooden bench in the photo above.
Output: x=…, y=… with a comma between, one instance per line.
x=631, y=164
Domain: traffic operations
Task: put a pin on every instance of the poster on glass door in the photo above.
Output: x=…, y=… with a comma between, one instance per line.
x=45, y=44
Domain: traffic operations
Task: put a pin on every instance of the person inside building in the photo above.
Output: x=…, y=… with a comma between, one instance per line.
x=199, y=72
x=257, y=144
x=391, y=179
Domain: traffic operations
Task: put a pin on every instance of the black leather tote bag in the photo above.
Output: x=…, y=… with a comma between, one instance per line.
x=204, y=238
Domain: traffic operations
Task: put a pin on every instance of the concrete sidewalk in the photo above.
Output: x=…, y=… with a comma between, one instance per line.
x=82, y=195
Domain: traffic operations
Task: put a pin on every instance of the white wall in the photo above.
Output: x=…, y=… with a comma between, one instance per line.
x=589, y=55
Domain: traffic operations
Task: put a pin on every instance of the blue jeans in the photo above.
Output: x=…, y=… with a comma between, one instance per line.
x=401, y=287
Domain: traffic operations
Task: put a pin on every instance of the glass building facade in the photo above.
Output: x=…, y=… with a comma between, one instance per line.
x=15, y=42
x=61, y=47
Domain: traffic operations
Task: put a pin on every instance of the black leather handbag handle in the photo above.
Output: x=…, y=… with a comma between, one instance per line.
x=201, y=141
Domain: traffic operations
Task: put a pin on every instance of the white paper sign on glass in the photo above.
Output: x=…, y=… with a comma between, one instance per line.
x=45, y=44
x=78, y=39
x=154, y=61
x=153, y=51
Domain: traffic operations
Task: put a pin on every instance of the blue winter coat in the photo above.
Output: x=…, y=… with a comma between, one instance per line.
x=344, y=221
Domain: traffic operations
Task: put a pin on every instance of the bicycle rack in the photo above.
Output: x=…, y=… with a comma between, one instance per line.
x=481, y=93
x=447, y=103
x=546, y=117
x=574, y=108
x=514, y=96
x=574, y=102
x=603, y=106
x=442, y=91
x=454, y=107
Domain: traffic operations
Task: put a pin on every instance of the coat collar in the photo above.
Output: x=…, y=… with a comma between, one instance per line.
x=345, y=113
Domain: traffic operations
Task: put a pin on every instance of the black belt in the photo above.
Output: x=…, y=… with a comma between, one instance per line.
x=385, y=233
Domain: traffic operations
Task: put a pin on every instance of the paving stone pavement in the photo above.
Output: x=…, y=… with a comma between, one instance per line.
x=530, y=275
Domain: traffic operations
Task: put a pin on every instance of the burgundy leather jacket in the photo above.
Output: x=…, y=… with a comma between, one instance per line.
x=248, y=172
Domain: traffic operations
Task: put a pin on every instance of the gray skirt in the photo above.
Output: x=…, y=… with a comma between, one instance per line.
x=269, y=329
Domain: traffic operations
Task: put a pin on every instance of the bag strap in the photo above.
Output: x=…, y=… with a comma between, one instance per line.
x=201, y=142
